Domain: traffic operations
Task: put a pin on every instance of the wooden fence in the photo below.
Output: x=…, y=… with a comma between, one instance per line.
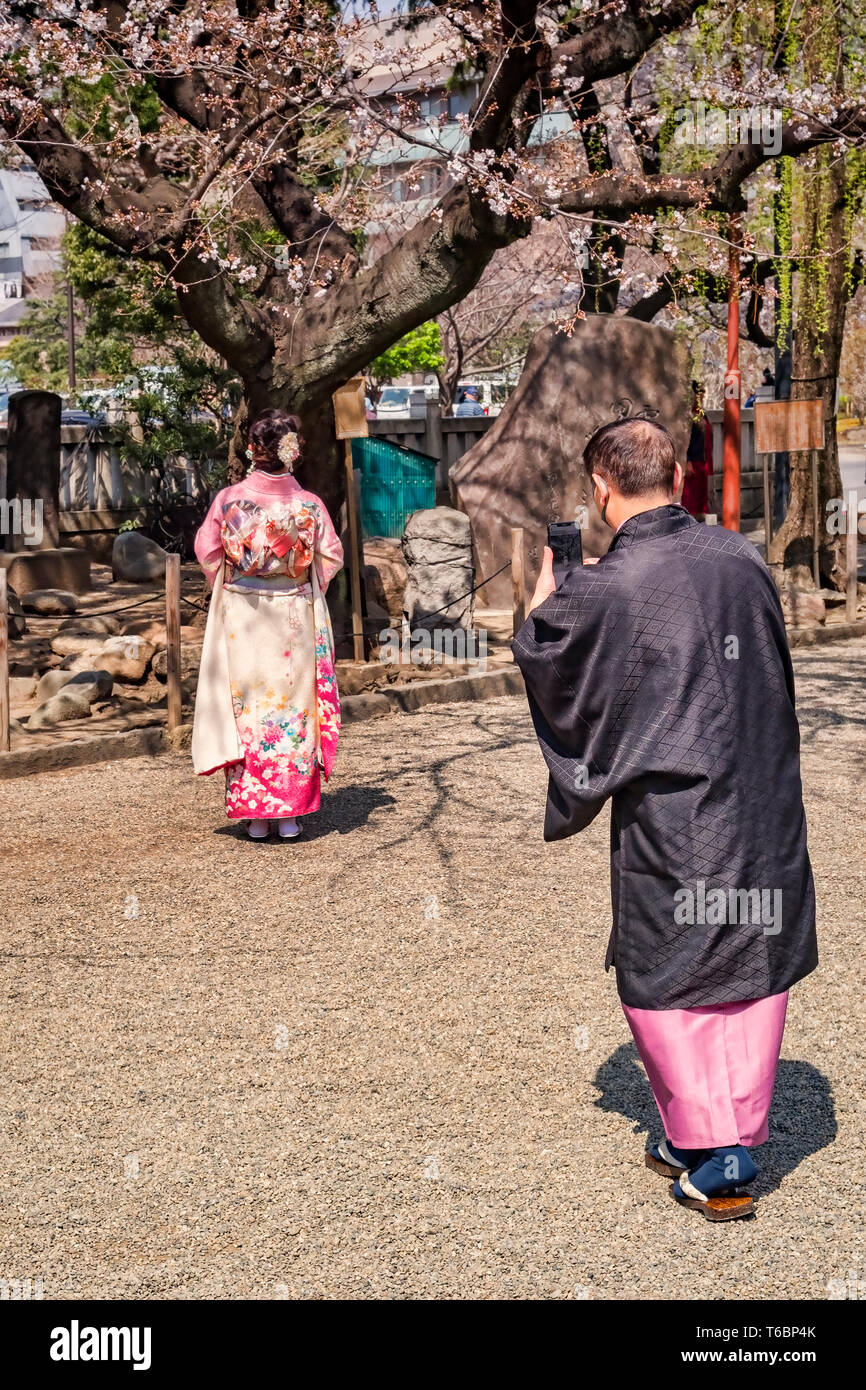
x=100, y=487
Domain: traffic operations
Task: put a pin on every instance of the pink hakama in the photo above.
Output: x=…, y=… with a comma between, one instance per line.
x=712, y=1069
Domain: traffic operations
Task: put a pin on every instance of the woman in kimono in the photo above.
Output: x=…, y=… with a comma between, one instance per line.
x=660, y=678
x=267, y=710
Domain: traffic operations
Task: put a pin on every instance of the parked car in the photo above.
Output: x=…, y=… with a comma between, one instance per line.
x=9, y=388
x=394, y=400
x=78, y=415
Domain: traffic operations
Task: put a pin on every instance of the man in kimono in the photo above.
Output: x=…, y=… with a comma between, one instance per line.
x=660, y=678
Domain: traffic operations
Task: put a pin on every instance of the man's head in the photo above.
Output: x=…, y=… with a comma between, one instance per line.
x=471, y=393
x=633, y=467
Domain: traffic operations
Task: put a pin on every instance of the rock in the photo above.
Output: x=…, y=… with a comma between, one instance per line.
x=151, y=629
x=66, y=568
x=138, y=559
x=98, y=626
x=190, y=660
x=802, y=607
x=437, y=547
x=58, y=709
x=385, y=574
x=124, y=658
x=48, y=602
x=94, y=685
x=17, y=620
x=74, y=643
x=21, y=688
x=527, y=469
x=52, y=682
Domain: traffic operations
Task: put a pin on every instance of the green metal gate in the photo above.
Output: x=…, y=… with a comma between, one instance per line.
x=395, y=482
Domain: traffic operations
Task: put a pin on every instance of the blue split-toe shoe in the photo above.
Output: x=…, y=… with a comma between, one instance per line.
x=711, y=1186
x=667, y=1159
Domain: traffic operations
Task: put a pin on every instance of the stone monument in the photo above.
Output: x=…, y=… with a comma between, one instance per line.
x=31, y=551
x=527, y=469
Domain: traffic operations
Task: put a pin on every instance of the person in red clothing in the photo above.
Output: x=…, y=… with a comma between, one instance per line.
x=699, y=458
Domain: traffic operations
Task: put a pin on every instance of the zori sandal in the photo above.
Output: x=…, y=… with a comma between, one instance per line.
x=669, y=1161
x=727, y=1206
x=712, y=1186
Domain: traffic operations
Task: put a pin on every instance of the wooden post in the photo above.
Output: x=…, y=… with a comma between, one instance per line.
x=174, y=702
x=816, y=544
x=731, y=426
x=354, y=560
x=851, y=558
x=768, y=511
x=4, y=664
x=435, y=447
x=518, y=577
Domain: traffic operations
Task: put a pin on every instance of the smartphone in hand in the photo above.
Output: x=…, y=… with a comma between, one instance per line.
x=564, y=539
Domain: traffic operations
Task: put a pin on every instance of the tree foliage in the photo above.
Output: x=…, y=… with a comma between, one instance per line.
x=418, y=351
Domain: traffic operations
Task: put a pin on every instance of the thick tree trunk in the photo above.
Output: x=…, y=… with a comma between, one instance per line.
x=820, y=325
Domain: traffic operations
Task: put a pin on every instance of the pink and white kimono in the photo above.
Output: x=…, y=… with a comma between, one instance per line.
x=267, y=708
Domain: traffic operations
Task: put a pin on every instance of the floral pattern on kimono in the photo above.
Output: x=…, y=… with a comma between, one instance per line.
x=279, y=642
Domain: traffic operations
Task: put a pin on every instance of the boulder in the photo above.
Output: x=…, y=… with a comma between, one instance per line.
x=190, y=660
x=137, y=559
x=527, y=469
x=802, y=607
x=16, y=619
x=58, y=709
x=385, y=574
x=124, y=658
x=52, y=682
x=437, y=548
x=49, y=602
x=97, y=626
x=65, y=568
x=96, y=685
x=74, y=643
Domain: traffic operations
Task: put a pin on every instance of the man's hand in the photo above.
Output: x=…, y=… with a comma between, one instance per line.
x=546, y=583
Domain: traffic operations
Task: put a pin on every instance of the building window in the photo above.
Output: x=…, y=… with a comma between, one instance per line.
x=461, y=100
x=10, y=289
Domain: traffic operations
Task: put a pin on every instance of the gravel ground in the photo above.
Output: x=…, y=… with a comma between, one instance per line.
x=386, y=1061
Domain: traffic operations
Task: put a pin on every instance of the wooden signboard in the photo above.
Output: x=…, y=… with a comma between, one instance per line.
x=789, y=427
x=350, y=419
x=786, y=427
x=350, y=411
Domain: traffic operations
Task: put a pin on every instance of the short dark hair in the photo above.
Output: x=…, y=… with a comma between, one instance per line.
x=636, y=456
x=265, y=434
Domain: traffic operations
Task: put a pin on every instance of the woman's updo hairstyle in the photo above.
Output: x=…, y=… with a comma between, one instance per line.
x=266, y=433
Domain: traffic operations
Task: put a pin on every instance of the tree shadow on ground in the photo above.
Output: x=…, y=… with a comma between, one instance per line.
x=341, y=812
x=802, y=1118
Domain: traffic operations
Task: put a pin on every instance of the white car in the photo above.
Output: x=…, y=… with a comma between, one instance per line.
x=394, y=400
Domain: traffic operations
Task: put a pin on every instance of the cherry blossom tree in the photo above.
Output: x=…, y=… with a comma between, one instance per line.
x=235, y=146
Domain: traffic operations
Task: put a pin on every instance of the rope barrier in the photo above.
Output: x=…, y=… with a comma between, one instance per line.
x=348, y=632
x=202, y=608
x=97, y=612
